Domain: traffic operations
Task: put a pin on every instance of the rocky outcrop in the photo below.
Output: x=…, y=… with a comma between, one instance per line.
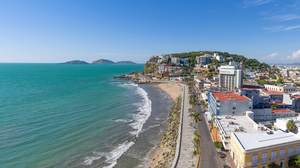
x=103, y=61
x=75, y=62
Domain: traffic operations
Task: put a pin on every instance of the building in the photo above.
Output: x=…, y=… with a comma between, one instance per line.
x=175, y=60
x=228, y=124
x=258, y=150
x=228, y=103
x=184, y=61
x=231, y=76
x=203, y=60
x=285, y=89
x=218, y=57
x=161, y=68
x=199, y=83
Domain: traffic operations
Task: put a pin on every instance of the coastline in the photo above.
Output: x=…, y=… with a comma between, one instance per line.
x=162, y=153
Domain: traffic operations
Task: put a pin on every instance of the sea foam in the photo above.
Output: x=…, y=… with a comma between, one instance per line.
x=144, y=111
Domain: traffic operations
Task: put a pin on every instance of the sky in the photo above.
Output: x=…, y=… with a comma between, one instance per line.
x=53, y=31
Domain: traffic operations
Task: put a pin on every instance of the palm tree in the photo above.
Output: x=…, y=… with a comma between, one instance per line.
x=196, y=117
x=291, y=126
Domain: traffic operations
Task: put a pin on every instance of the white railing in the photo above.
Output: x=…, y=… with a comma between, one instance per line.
x=272, y=158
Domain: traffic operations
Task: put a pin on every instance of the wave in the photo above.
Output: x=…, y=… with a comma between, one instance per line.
x=123, y=120
x=114, y=155
x=144, y=111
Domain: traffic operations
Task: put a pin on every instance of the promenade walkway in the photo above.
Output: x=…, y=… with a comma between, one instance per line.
x=186, y=159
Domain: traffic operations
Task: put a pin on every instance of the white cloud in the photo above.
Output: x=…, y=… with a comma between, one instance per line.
x=280, y=28
x=294, y=55
x=292, y=27
x=271, y=56
x=284, y=17
x=248, y=3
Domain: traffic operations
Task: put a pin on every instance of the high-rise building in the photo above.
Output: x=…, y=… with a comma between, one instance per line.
x=231, y=76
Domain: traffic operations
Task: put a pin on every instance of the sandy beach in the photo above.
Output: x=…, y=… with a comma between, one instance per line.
x=174, y=90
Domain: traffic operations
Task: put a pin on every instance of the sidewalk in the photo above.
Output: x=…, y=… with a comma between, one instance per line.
x=186, y=159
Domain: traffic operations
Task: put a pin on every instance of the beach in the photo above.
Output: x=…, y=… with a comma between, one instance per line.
x=172, y=89
x=162, y=153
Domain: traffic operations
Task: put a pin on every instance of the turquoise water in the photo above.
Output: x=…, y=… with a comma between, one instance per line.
x=68, y=115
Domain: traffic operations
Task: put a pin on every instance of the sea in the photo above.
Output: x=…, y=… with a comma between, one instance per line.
x=78, y=116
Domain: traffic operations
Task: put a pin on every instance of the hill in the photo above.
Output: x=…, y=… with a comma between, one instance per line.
x=75, y=62
x=103, y=61
x=252, y=64
x=125, y=62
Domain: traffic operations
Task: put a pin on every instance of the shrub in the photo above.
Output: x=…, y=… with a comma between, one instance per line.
x=218, y=144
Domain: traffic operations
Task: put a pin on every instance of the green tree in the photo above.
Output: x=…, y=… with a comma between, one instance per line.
x=291, y=126
x=273, y=107
x=273, y=165
x=196, y=117
x=210, y=76
x=294, y=161
x=212, y=121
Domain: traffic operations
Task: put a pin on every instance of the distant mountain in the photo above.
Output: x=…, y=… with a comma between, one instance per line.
x=75, y=62
x=125, y=62
x=103, y=61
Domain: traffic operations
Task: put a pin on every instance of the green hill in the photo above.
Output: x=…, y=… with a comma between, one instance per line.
x=103, y=61
x=247, y=63
x=75, y=62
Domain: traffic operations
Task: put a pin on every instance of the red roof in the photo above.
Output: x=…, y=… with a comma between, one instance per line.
x=229, y=96
x=282, y=111
x=273, y=92
x=244, y=89
x=296, y=96
x=272, y=103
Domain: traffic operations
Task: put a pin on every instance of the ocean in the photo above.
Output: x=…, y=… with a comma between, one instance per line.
x=55, y=116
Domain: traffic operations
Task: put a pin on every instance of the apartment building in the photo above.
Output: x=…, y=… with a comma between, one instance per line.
x=228, y=103
x=231, y=76
x=285, y=89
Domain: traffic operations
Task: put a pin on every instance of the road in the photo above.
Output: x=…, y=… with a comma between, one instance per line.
x=209, y=156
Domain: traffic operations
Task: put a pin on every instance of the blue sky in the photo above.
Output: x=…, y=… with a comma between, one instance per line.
x=58, y=31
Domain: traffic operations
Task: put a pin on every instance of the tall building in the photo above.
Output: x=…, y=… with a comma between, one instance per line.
x=231, y=76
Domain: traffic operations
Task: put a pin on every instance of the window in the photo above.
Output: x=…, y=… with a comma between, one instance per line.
x=281, y=152
x=273, y=154
x=264, y=156
x=264, y=166
x=250, y=107
x=290, y=150
x=254, y=158
x=233, y=112
x=298, y=148
x=281, y=163
x=233, y=108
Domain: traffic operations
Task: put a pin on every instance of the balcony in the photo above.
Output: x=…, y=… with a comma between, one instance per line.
x=272, y=158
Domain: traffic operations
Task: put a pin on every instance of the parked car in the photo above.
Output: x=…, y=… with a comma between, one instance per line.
x=221, y=154
x=226, y=166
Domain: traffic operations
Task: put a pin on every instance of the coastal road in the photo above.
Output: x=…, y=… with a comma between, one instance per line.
x=209, y=156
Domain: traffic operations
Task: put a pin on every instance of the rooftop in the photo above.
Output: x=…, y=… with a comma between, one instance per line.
x=273, y=92
x=296, y=96
x=259, y=140
x=273, y=103
x=229, y=96
x=231, y=123
x=282, y=111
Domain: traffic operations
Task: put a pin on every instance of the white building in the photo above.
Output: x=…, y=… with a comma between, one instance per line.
x=218, y=57
x=284, y=89
x=175, y=60
x=231, y=76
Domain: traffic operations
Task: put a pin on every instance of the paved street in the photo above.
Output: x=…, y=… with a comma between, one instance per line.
x=209, y=156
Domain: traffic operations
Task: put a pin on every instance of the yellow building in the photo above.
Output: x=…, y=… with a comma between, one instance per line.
x=258, y=150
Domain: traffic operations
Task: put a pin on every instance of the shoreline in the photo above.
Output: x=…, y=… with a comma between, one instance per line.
x=161, y=153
